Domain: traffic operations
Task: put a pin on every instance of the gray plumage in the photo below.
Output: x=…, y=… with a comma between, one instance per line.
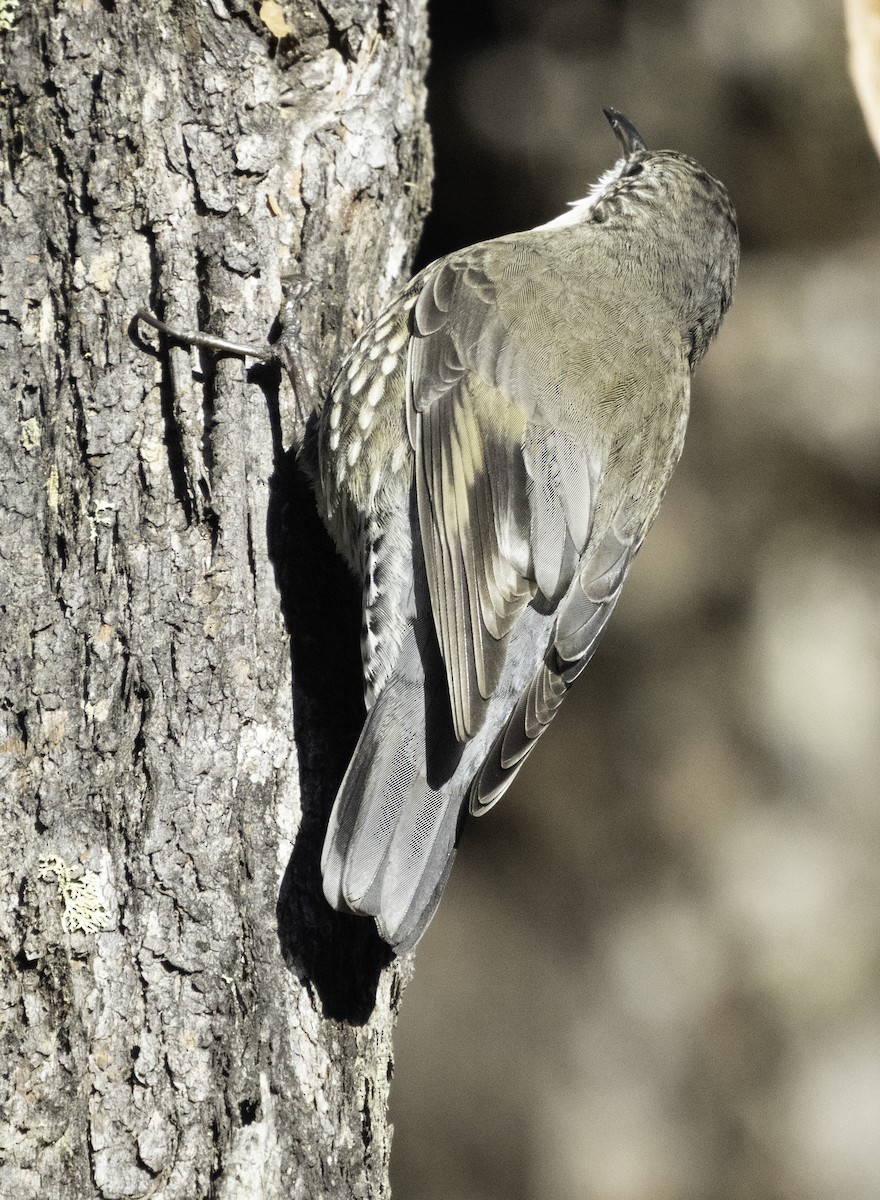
x=494, y=450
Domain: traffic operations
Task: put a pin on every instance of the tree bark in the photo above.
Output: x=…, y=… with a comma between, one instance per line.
x=181, y=1015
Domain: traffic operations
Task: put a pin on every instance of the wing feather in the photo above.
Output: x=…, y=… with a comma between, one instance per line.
x=582, y=617
x=505, y=500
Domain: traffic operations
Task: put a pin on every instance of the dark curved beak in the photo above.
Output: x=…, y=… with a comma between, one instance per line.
x=625, y=132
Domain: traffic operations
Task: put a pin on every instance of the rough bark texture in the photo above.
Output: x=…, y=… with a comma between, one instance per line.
x=220, y=1033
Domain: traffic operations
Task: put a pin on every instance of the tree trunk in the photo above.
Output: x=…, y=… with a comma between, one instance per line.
x=182, y=1015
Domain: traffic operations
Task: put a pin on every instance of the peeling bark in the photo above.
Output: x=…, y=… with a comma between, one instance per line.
x=172, y=615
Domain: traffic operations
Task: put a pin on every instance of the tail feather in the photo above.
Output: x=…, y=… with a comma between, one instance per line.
x=391, y=838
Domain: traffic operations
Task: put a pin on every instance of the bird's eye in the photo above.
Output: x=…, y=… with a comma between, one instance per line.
x=635, y=169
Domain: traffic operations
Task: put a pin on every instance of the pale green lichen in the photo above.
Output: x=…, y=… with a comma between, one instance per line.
x=79, y=892
x=8, y=13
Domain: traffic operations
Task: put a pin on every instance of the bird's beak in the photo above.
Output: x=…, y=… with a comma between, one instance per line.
x=625, y=132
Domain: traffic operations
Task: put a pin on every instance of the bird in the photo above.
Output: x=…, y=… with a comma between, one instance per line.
x=490, y=457
x=492, y=453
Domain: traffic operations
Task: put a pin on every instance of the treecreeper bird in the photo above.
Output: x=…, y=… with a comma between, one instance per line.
x=490, y=457
x=492, y=453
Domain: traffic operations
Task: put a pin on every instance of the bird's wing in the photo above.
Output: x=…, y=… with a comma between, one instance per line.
x=580, y=622
x=505, y=499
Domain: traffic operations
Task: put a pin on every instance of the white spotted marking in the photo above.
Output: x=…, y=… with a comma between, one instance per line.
x=375, y=484
x=353, y=451
x=335, y=414
x=399, y=340
x=365, y=417
x=377, y=387
x=376, y=350
x=399, y=456
x=334, y=439
x=389, y=362
x=353, y=367
x=360, y=379
x=370, y=642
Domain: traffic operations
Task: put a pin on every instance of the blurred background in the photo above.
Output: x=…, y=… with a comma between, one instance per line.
x=656, y=971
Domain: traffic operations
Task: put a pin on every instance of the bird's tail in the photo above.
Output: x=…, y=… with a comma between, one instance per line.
x=392, y=834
